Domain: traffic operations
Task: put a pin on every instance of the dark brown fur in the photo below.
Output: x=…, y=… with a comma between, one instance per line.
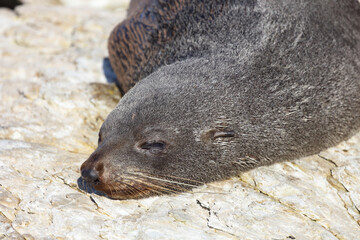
x=142, y=42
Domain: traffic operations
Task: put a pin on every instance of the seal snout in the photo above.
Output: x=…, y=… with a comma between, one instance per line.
x=91, y=170
x=90, y=175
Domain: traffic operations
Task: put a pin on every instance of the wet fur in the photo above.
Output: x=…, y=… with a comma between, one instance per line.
x=282, y=76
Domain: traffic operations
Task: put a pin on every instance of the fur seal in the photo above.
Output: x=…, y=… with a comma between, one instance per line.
x=226, y=86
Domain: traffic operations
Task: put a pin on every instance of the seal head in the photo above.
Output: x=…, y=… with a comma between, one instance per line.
x=150, y=145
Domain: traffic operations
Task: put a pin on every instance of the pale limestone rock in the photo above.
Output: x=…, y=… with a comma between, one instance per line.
x=38, y=77
x=107, y=4
x=7, y=230
x=54, y=98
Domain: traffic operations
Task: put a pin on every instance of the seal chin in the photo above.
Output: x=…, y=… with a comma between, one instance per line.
x=137, y=185
x=123, y=191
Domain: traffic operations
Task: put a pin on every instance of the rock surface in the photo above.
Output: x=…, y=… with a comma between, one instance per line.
x=106, y=4
x=54, y=98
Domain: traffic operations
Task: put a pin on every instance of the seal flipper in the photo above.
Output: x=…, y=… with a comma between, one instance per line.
x=134, y=43
x=156, y=36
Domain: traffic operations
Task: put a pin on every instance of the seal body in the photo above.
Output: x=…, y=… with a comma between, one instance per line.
x=236, y=85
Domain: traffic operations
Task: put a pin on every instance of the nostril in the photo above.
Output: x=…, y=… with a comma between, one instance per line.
x=90, y=175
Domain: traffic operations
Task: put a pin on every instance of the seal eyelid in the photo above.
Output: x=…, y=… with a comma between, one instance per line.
x=154, y=147
x=224, y=134
x=212, y=134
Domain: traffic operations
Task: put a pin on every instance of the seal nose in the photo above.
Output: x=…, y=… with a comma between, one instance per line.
x=90, y=175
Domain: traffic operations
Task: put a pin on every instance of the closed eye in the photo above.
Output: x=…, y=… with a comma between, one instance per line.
x=154, y=147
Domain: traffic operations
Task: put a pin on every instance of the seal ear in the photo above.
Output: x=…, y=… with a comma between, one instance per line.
x=212, y=134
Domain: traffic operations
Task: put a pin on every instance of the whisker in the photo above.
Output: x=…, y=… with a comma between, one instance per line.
x=186, y=179
x=110, y=188
x=164, y=180
x=115, y=190
x=147, y=187
x=176, y=187
x=155, y=191
x=126, y=190
x=129, y=188
x=164, y=184
x=186, y=190
x=165, y=189
x=156, y=186
x=141, y=192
